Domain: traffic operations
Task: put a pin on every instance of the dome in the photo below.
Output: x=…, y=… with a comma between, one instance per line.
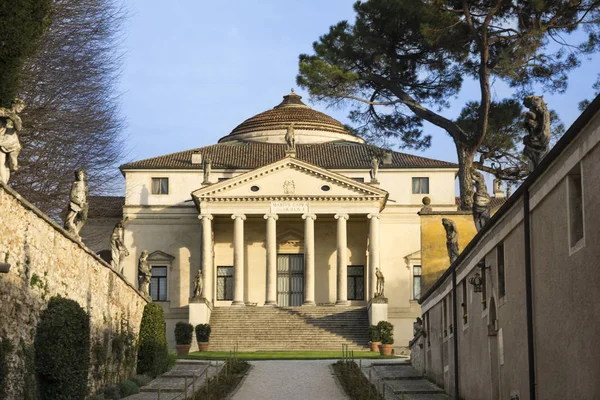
x=310, y=126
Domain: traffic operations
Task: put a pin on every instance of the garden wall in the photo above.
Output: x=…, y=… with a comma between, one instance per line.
x=46, y=261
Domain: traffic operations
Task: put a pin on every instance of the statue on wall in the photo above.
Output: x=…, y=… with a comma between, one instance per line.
x=290, y=138
x=144, y=274
x=417, y=326
x=482, y=202
x=117, y=246
x=207, y=167
x=451, y=239
x=374, y=169
x=198, y=285
x=537, y=123
x=380, y=283
x=78, y=205
x=10, y=147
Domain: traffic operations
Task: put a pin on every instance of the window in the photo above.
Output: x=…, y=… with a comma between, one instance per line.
x=358, y=179
x=465, y=302
x=224, y=283
x=158, y=284
x=356, y=282
x=416, y=282
x=575, y=196
x=326, y=188
x=445, y=316
x=420, y=185
x=160, y=185
x=500, y=262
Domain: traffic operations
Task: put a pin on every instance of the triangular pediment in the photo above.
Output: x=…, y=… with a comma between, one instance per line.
x=290, y=178
x=160, y=256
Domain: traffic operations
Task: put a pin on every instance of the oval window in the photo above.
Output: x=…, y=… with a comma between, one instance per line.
x=254, y=188
x=325, y=188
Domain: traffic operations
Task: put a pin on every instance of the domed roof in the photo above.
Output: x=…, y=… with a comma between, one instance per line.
x=290, y=111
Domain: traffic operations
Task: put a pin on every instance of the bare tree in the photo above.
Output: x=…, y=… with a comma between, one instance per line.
x=72, y=120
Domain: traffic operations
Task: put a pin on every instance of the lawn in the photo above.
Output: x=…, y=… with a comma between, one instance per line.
x=284, y=355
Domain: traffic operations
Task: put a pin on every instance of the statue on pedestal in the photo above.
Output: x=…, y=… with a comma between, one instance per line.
x=537, y=123
x=117, y=246
x=380, y=283
x=78, y=205
x=198, y=285
x=290, y=139
x=417, y=326
x=482, y=202
x=10, y=147
x=144, y=274
x=374, y=169
x=207, y=167
x=451, y=239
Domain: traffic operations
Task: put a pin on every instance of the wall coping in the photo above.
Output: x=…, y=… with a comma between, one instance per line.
x=65, y=234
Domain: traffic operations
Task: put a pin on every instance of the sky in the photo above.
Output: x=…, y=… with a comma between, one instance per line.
x=195, y=69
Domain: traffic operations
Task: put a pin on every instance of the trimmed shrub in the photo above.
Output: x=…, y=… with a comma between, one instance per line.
x=127, y=388
x=112, y=392
x=153, y=353
x=203, y=332
x=183, y=333
x=374, y=335
x=62, y=350
x=5, y=349
x=171, y=360
x=386, y=332
x=141, y=380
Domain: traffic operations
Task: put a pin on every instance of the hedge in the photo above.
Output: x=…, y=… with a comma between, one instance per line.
x=153, y=354
x=183, y=333
x=62, y=350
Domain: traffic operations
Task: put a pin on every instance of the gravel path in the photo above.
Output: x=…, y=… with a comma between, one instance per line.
x=290, y=380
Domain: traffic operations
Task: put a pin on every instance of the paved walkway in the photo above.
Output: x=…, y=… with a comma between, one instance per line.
x=290, y=380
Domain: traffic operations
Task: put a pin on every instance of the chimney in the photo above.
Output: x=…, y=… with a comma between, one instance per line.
x=196, y=158
x=387, y=157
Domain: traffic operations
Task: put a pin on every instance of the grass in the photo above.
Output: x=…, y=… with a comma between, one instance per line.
x=284, y=355
x=219, y=387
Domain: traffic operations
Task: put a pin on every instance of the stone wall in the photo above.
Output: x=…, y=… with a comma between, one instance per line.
x=46, y=261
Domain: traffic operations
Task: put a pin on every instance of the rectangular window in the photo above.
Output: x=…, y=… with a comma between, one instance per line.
x=500, y=262
x=356, y=282
x=224, y=283
x=465, y=302
x=160, y=185
x=416, y=282
x=444, y=316
x=575, y=196
x=358, y=179
x=420, y=185
x=158, y=284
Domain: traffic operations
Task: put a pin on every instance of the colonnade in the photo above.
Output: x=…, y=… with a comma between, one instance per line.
x=271, y=261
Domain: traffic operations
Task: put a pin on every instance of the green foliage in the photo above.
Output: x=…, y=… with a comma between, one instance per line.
x=153, y=350
x=127, y=388
x=219, y=387
x=112, y=392
x=171, y=360
x=6, y=349
x=355, y=384
x=374, y=335
x=386, y=332
x=203, y=332
x=183, y=333
x=27, y=354
x=62, y=350
x=22, y=23
x=141, y=380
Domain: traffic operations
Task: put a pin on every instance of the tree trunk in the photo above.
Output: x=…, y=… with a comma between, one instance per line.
x=465, y=179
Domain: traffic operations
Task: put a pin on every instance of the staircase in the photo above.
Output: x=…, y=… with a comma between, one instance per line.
x=289, y=328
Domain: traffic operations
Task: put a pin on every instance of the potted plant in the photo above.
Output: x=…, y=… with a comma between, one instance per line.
x=374, y=338
x=386, y=333
x=202, y=336
x=183, y=337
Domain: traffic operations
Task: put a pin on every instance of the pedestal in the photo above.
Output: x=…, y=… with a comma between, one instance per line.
x=378, y=310
x=199, y=313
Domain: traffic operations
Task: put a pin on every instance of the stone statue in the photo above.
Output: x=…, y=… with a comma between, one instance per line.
x=537, y=123
x=78, y=206
x=374, y=169
x=380, y=283
x=207, y=166
x=451, y=239
x=417, y=326
x=198, y=285
x=10, y=147
x=482, y=202
x=117, y=246
x=144, y=274
x=290, y=138
x=498, y=188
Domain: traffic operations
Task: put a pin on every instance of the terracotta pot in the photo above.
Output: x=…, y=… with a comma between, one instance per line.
x=386, y=349
x=202, y=346
x=182, y=349
x=374, y=346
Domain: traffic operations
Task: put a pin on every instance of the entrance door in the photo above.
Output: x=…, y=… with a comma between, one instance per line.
x=290, y=280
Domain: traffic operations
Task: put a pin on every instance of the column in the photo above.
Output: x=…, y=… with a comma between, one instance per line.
x=342, y=260
x=207, y=256
x=238, y=259
x=373, y=252
x=309, y=259
x=271, y=244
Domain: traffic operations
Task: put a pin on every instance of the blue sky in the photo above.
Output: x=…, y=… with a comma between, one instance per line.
x=193, y=70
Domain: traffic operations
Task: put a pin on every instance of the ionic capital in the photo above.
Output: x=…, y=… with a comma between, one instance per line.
x=374, y=215
x=309, y=215
x=239, y=216
x=271, y=216
x=342, y=216
x=205, y=216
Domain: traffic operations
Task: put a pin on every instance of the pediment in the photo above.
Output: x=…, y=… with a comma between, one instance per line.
x=160, y=256
x=290, y=179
